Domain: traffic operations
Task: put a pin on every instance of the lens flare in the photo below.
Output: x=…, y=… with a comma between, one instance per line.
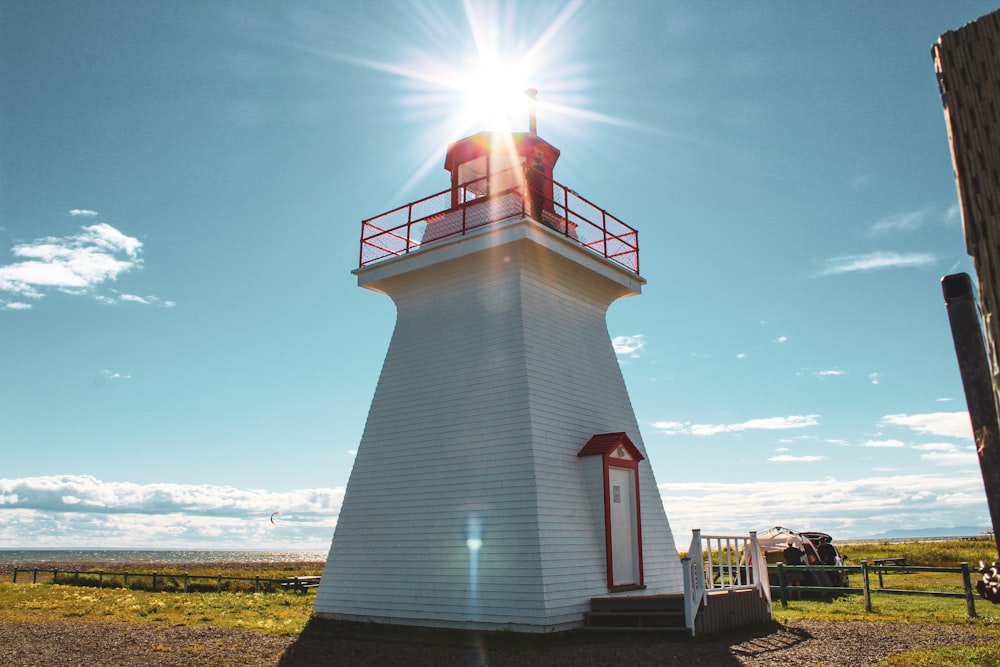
x=494, y=92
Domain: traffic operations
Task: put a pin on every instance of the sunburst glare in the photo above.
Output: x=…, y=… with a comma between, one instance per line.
x=465, y=72
x=494, y=92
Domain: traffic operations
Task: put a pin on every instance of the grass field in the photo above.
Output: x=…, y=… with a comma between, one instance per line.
x=286, y=613
x=913, y=609
x=274, y=613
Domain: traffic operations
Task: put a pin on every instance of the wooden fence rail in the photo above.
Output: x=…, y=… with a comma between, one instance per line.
x=865, y=569
x=159, y=581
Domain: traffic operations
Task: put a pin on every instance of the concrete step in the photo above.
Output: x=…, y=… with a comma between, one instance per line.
x=639, y=603
x=639, y=612
x=624, y=620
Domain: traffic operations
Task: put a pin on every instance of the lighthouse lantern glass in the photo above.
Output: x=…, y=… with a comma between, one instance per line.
x=472, y=174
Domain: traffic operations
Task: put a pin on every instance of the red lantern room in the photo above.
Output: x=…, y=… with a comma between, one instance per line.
x=498, y=176
x=487, y=162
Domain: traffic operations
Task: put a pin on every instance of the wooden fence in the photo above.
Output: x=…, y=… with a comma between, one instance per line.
x=865, y=570
x=166, y=582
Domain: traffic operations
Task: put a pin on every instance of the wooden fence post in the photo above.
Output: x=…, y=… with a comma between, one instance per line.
x=970, y=600
x=781, y=586
x=55, y=575
x=15, y=576
x=154, y=582
x=218, y=584
x=34, y=576
x=125, y=585
x=185, y=582
x=865, y=585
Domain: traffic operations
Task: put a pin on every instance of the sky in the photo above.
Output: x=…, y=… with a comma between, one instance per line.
x=183, y=347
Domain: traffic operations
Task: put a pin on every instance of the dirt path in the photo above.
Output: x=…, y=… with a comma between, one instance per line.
x=802, y=643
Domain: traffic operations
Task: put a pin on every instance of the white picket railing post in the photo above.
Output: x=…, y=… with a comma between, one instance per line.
x=760, y=575
x=694, y=579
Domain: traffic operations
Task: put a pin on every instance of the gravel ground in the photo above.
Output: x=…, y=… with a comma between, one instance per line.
x=802, y=643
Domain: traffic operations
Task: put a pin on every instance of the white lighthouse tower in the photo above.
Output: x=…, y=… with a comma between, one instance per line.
x=501, y=481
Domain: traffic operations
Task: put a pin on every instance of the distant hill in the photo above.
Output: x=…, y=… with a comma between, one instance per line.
x=954, y=531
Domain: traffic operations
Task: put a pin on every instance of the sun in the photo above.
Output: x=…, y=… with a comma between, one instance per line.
x=468, y=71
x=494, y=92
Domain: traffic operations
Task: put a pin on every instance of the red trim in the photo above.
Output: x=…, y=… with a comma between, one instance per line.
x=609, y=562
x=604, y=445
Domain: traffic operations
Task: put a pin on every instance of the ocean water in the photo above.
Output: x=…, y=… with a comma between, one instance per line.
x=131, y=556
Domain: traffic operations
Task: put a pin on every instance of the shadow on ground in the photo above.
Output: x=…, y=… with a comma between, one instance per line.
x=326, y=642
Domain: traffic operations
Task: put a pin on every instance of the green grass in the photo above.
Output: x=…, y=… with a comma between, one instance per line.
x=899, y=608
x=888, y=608
x=893, y=609
x=947, y=553
x=979, y=656
x=284, y=613
x=203, y=578
x=273, y=613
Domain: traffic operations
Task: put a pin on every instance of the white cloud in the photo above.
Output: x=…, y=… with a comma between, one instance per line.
x=833, y=372
x=765, y=424
x=780, y=339
x=949, y=424
x=953, y=215
x=83, y=213
x=884, y=443
x=789, y=458
x=741, y=355
x=875, y=377
x=845, y=508
x=948, y=454
x=965, y=457
x=873, y=262
x=630, y=345
x=16, y=305
x=936, y=447
x=72, y=264
x=899, y=222
x=132, y=297
x=46, y=511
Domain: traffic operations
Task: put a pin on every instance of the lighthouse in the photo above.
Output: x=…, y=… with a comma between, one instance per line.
x=501, y=481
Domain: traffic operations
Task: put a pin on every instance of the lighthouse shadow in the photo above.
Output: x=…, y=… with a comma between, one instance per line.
x=328, y=642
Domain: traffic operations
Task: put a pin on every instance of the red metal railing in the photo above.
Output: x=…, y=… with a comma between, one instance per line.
x=491, y=199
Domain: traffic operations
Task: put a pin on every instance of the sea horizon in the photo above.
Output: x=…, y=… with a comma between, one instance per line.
x=126, y=555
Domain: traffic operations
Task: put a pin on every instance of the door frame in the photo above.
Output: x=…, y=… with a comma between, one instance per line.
x=617, y=451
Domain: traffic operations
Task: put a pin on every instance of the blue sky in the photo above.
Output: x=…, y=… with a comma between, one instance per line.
x=183, y=349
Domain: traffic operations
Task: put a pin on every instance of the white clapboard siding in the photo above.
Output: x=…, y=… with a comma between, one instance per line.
x=499, y=370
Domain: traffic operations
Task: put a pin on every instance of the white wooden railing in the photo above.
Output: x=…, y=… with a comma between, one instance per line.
x=719, y=563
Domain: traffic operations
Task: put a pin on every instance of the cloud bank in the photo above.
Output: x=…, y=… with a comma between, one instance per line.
x=844, y=508
x=80, y=510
